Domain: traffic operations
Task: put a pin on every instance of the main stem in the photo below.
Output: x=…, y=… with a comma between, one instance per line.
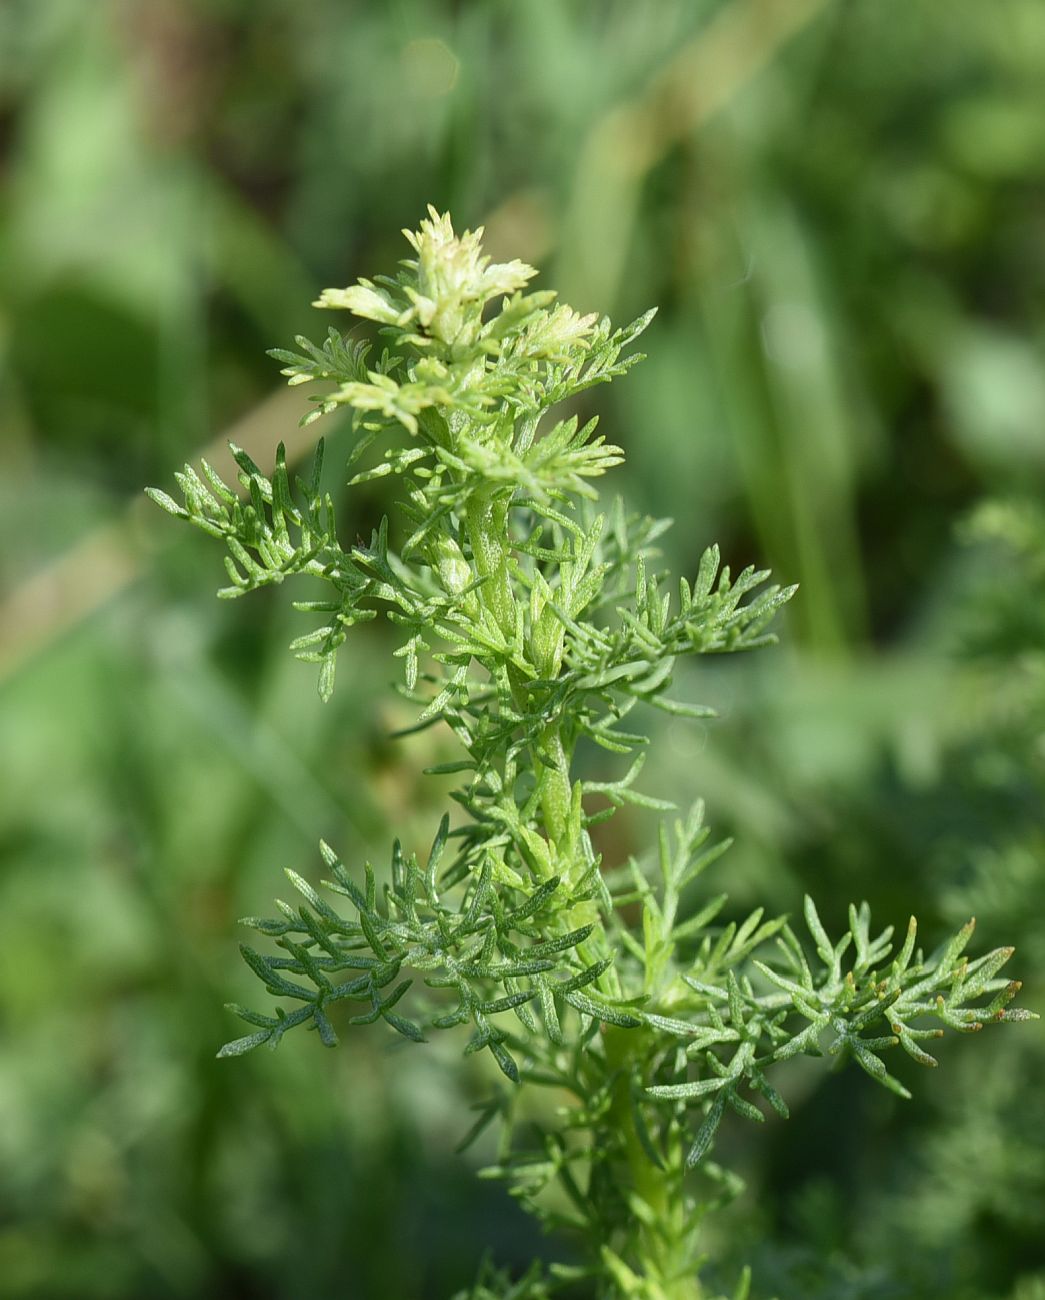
x=664, y=1248
x=487, y=524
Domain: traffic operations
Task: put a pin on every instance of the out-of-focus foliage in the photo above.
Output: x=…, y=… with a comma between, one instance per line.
x=840, y=209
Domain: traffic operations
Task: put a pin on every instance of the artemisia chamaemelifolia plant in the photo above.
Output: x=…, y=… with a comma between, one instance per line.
x=532, y=625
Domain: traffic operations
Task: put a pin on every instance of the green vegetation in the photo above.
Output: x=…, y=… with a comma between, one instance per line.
x=837, y=209
x=617, y=991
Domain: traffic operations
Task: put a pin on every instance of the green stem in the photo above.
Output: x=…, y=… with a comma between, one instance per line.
x=663, y=1251
x=487, y=525
x=486, y=520
x=553, y=776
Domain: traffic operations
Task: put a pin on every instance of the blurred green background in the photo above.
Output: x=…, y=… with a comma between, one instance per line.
x=840, y=208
